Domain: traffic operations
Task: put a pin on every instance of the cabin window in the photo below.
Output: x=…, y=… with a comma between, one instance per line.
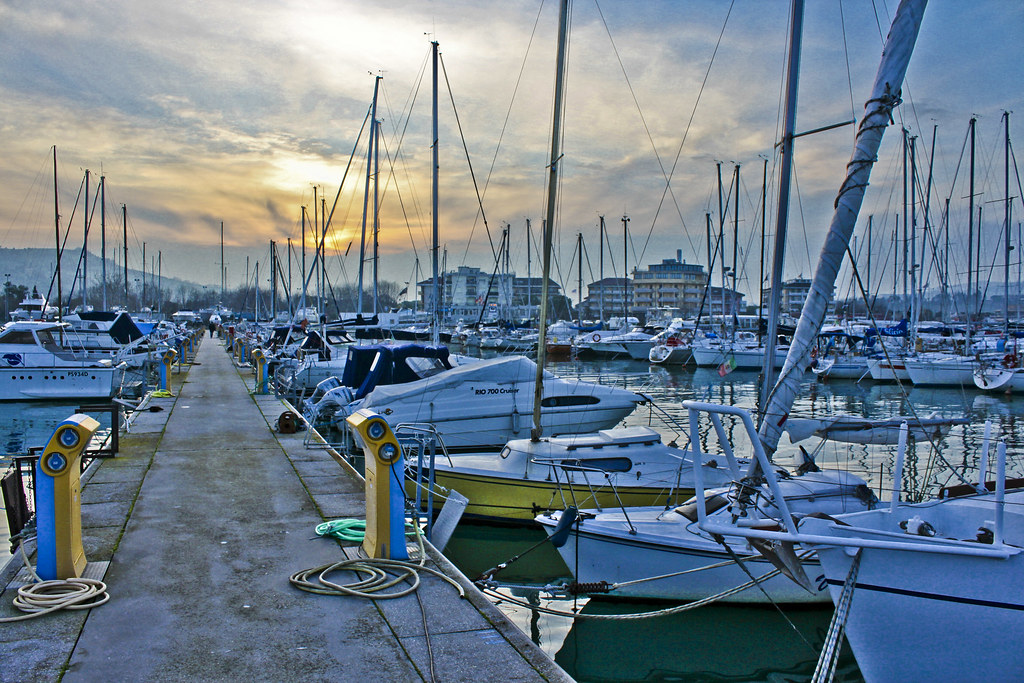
x=571, y=400
x=18, y=337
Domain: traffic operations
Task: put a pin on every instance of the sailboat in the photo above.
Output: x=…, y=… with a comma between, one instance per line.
x=712, y=531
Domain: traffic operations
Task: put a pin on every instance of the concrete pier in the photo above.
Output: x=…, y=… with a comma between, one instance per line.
x=203, y=516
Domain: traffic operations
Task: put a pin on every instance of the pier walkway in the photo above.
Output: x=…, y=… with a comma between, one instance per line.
x=203, y=516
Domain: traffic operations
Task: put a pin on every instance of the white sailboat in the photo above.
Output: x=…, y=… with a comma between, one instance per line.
x=758, y=495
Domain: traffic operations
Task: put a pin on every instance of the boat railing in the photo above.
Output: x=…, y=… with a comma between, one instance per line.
x=847, y=534
x=567, y=465
x=422, y=442
x=668, y=419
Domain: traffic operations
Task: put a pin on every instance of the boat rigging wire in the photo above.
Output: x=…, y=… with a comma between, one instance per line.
x=689, y=124
x=504, y=127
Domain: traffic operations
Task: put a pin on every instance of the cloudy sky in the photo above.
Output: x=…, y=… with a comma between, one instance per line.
x=202, y=112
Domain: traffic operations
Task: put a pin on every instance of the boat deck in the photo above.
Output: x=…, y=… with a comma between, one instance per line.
x=203, y=516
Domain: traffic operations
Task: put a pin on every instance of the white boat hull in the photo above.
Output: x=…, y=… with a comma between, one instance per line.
x=947, y=371
x=927, y=616
x=617, y=556
x=56, y=383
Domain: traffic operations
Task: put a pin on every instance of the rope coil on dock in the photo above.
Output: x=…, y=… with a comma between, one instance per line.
x=43, y=597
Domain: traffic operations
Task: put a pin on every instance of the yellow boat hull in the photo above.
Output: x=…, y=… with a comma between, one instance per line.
x=522, y=499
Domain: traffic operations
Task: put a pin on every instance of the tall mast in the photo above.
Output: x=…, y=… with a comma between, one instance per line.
x=222, y=266
x=103, y=237
x=56, y=228
x=316, y=250
x=435, y=317
x=760, y=277
x=912, y=228
x=1006, y=230
x=720, y=242
x=549, y=222
x=372, y=138
x=579, y=277
x=885, y=96
x=625, y=270
x=85, y=245
x=302, y=304
x=529, y=273
x=970, y=237
x=600, y=298
x=782, y=216
x=376, y=211
x=124, y=228
x=735, y=244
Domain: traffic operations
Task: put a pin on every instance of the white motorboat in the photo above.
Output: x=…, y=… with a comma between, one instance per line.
x=484, y=404
x=35, y=365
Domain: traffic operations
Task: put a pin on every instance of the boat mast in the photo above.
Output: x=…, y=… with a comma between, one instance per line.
x=85, y=244
x=124, y=228
x=549, y=222
x=735, y=248
x=579, y=278
x=222, y=266
x=302, y=298
x=366, y=198
x=600, y=297
x=103, y=237
x=912, y=228
x=435, y=317
x=970, y=238
x=885, y=96
x=782, y=216
x=625, y=270
x=56, y=227
x=760, y=277
x=1006, y=230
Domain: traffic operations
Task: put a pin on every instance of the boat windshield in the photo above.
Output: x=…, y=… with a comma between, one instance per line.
x=47, y=341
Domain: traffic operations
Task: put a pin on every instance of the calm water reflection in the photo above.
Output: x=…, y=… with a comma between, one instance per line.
x=729, y=643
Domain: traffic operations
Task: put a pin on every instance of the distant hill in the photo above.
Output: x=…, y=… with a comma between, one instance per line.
x=35, y=267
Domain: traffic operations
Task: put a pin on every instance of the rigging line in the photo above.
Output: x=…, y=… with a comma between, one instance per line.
x=348, y=166
x=650, y=138
x=803, y=217
x=932, y=442
x=469, y=162
x=504, y=124
x=398, y=191
x=411, y=101
x=846, y=54
x=693, y=113
x=63, y=247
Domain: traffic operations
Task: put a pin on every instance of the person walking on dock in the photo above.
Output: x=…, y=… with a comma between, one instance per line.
x=214, y=324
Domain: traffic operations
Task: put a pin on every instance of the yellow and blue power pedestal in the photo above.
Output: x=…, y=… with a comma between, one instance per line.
x=166, y=362
x=59, y=553
x=259, y=362
x=385, y=480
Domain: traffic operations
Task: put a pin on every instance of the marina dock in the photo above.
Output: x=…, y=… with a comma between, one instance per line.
x=202, y=516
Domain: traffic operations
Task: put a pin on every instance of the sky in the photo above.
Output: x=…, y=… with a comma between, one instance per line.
x=203, y=112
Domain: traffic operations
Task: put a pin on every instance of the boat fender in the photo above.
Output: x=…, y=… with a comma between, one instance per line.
x=561, y=533
x=287, y=422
